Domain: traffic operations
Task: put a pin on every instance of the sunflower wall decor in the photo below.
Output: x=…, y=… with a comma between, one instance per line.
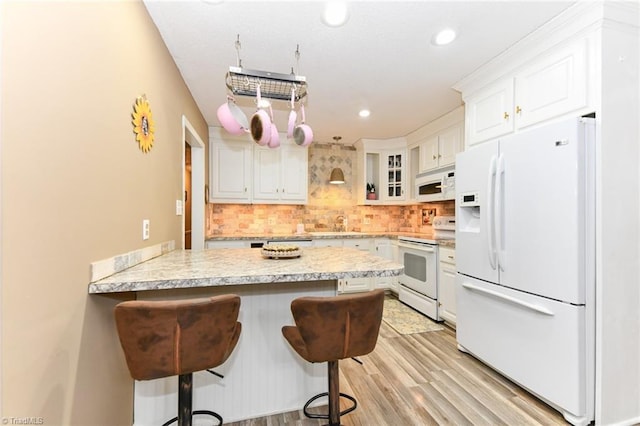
x=143, y=124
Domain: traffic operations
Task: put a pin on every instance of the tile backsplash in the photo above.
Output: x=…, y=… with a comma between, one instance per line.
x=282, y=219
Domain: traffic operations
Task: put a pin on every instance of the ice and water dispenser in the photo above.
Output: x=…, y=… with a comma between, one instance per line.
x=469, y=216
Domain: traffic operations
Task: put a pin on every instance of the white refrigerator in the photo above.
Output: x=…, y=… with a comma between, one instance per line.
x=525, y=248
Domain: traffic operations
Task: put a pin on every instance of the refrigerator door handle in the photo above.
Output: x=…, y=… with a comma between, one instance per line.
x=490, y=212
x=499, y=209
x=530, y=306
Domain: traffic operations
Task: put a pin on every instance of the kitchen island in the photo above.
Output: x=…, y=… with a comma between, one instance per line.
x=263, y=375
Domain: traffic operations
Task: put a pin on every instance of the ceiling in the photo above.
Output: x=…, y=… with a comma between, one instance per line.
x=381, y=59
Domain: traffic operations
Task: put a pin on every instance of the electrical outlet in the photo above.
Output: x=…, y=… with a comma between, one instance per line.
x=178, y=207
x=367, y=221
x=271, y=220
x=145, y=229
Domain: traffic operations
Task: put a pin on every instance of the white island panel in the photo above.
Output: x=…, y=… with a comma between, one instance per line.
x=263, y=375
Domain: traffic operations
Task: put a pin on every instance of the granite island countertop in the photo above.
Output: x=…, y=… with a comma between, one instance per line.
x=244, y=266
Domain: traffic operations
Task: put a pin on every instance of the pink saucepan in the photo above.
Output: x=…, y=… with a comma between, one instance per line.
x=232, y=118
x=302, y=134
x=260, y=124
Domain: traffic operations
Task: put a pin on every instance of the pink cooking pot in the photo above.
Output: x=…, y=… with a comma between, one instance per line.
x=232, y=118
x=274, y=142
x=260, y=124
x=292, y=115
x=302, y=134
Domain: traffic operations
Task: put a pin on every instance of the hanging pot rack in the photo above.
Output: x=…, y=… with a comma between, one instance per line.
x=244, y=82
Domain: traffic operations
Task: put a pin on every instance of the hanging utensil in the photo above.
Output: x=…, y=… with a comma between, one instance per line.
x=274, y=142
x=302, y=134
x=260, y=123
x=292, y=115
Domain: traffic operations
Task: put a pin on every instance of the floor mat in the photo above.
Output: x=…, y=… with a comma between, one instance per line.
x=406, y=320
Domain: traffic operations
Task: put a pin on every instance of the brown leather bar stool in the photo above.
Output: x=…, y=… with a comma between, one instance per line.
x=329, y=329
x=169, y=338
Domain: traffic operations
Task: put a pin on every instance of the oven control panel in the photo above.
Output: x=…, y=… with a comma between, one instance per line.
x=444, y=223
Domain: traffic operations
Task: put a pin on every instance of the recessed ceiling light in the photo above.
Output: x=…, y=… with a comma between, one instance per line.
x=335, y=13
x=364, y=113
x=443, y=37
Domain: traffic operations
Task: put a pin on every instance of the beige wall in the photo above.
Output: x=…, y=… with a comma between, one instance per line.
x=75, y=189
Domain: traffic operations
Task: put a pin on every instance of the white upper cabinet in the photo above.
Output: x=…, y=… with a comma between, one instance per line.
x=280, y=175
x=294, y=173
x=241, y=171
x=554, y=84
x=230, y=166
x=490, y=112
x=440, y=149
x=266, y=177
x=436, y=144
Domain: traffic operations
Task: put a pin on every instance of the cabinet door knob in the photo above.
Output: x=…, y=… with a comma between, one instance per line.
x=434, y=157
x=439, y=155
x=506, y=116
x=518, y=109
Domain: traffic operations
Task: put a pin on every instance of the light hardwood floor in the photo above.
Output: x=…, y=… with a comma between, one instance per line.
x=422, y=379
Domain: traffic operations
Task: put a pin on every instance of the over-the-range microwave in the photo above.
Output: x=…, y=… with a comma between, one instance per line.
x=437, y=185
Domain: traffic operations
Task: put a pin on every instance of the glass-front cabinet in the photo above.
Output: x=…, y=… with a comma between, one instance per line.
x=395, y=175
x=382, y=171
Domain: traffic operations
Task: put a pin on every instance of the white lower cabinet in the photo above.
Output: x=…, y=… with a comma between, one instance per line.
x=356, y=285
x=382, y=247
x=217, y=244
x=327, y=242
x=395, y=256
x=447, y=284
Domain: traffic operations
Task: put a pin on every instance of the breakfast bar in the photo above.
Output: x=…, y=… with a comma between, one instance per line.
x=263, y=375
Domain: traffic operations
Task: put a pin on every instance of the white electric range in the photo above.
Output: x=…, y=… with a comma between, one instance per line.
x=419, y=282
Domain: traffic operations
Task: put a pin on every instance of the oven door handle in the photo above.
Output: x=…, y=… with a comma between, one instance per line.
x=421, y=247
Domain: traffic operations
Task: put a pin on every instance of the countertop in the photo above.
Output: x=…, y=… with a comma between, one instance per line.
x=242, y=266
x=327, y=235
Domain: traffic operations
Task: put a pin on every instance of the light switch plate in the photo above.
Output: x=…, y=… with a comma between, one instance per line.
x=178, y=207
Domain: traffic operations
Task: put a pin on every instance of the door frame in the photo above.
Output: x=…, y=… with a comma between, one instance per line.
x=191, y=137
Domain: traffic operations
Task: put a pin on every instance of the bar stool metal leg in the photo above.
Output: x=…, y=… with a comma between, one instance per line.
x=185, y=398
x=334, y=393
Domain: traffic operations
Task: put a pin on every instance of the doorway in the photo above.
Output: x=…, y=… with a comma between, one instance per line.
x=194, y=203
x=188, y=195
